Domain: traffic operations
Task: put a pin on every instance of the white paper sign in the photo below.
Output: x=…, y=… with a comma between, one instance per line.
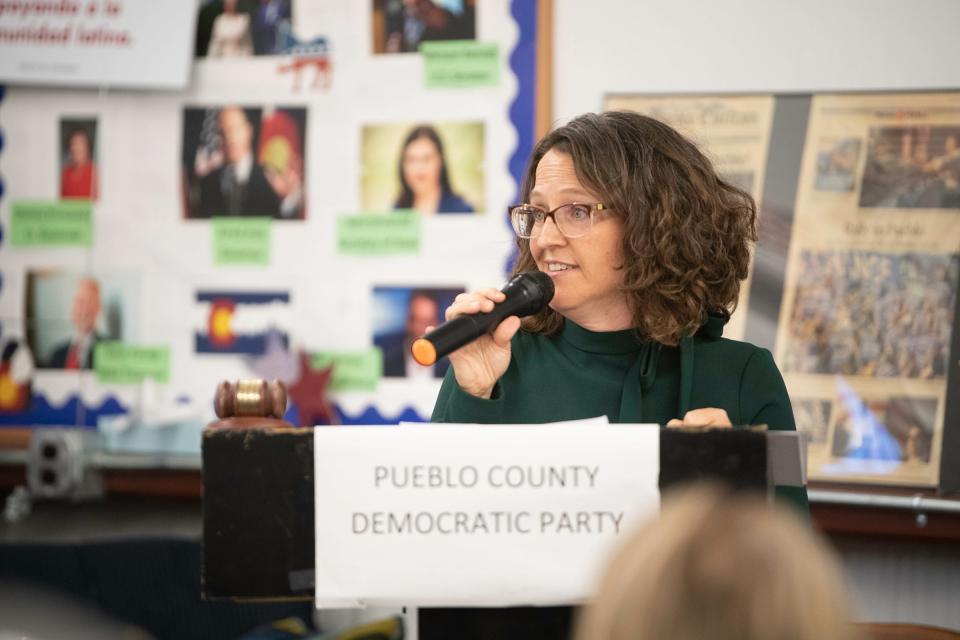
x=127, y=43
x=475, y=515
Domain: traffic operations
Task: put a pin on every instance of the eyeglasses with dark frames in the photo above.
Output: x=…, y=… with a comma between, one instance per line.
x=574, y=219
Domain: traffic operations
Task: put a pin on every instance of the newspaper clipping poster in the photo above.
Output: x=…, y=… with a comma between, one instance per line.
x=864, y=332
x=733, y=131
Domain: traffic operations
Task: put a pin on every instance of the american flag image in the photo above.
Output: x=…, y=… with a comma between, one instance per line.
x=209, y=155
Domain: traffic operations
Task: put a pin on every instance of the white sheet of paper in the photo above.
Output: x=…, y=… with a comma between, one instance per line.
x=98, y=44
x=476, y=515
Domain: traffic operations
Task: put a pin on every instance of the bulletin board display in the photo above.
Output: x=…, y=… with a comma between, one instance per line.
x=333, y=176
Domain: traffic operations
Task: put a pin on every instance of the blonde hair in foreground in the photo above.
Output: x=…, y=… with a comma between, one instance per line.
x=718, y=566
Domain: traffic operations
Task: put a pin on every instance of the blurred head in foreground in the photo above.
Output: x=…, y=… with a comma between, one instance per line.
x=719, y=566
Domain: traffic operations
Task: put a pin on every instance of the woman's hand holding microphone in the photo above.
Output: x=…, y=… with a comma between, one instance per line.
x=479, y=364
x=479, y=327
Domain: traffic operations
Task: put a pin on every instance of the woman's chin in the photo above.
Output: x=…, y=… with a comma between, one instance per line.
x=424, y=188
x=559, y=305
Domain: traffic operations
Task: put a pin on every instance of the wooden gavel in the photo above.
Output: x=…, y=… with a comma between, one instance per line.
x=250, y=403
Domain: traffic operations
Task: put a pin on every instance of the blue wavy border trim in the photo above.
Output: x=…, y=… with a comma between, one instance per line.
x=523, y=63
x=371, y=415
x=72, y=413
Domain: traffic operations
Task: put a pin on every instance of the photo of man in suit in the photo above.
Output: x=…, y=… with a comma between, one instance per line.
x=241, y=186
x=422, y=310
x=77, y=352
x=244, y=162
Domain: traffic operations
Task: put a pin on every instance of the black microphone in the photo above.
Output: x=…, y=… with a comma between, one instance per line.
x=527, y=293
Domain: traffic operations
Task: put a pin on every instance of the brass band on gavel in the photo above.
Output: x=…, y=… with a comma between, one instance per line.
x=251, y=398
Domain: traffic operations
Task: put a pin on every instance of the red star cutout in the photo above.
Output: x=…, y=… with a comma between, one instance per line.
x=309, y=393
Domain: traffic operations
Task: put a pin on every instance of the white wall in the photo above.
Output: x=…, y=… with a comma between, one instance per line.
x=682, y=46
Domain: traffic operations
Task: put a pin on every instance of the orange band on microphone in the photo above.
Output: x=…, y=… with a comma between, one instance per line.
x=424, y=352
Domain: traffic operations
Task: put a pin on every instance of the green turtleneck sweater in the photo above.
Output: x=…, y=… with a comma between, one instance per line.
x=583, y=374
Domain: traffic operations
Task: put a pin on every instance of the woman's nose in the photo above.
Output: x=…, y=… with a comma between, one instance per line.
x=550, y=234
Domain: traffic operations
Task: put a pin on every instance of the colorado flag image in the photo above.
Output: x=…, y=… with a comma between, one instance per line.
x=239, y=321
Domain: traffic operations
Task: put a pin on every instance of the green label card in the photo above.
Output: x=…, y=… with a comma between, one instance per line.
x=379, y=234
x=352, y=370
x=460, y=63
x=120, y=363
x=241, y=241
x=53, y=224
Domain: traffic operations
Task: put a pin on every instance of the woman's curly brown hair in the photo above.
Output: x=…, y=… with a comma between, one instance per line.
x=687, y=232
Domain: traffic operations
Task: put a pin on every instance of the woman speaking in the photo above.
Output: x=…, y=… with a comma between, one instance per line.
x=646, y=246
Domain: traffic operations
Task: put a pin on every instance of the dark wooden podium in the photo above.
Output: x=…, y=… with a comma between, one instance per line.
x=258, y=519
